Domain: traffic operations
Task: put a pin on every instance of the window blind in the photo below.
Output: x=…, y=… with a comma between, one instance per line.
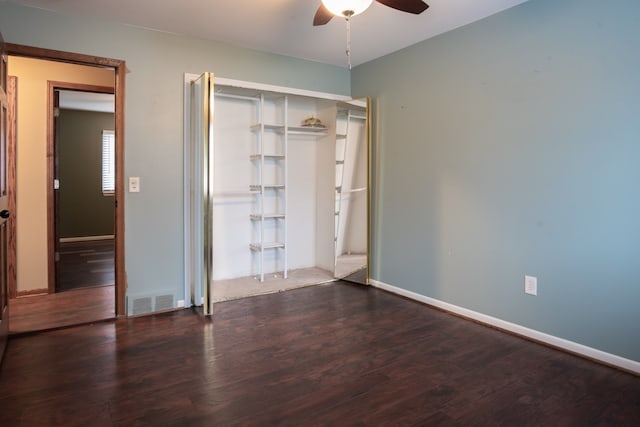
x=108, y=161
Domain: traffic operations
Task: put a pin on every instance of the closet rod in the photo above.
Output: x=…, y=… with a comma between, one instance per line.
x=355, y=190
x=233, y=193
x=245, y=98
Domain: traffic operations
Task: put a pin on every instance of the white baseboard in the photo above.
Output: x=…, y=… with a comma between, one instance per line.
x=85, y=238
x=570, y=346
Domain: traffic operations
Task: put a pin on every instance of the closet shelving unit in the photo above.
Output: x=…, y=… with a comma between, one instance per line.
x=272, y=135
x=270, y=208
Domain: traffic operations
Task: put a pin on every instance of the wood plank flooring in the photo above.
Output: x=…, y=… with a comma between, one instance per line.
x=330, y=355
x=74, y=307
x=85, y=264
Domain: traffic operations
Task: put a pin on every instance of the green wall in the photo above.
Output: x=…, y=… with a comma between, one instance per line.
x=84, y=210
x=509, y=147
x=157, y=63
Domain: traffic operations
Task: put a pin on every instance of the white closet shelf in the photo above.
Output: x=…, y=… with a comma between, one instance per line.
x=259, y=126
x=259, y=188
x=291, y=130
x=307, y=130
x=267, y=157
x=258, y=217
x=267, y=245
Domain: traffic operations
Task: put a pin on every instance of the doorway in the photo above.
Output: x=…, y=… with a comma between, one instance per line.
x=117, y=70
x=83, y=157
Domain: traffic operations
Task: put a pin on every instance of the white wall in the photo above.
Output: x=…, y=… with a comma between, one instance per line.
x=233, y=142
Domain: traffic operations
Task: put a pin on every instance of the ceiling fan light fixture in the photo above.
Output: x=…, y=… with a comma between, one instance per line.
x=347, y=8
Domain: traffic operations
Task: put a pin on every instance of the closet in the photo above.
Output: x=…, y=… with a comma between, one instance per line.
x=270, y=195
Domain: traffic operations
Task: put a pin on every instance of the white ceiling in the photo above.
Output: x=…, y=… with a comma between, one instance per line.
x=87, y=101
x=285, y=26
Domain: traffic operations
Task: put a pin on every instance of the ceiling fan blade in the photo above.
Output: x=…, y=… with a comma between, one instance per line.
x=323, y=15
x=411, y=6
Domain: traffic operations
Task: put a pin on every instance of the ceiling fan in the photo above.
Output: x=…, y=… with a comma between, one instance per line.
x=349, y=8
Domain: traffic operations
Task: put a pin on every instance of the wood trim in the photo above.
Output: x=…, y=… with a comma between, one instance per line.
x=50, y=153
x=120, y=272
x=32, y=292
x=61, y=56
x=80, y=87
x=120, y=69
x=12, y=92
x=86, y=238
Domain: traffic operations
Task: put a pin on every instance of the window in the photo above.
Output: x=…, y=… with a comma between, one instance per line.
x=108, y=162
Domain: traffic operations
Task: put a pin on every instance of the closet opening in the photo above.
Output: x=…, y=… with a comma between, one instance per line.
x=276, y=189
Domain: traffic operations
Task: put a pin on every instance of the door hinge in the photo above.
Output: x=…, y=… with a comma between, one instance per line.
x=57, y=256
x=56, y=112
x=56, y=184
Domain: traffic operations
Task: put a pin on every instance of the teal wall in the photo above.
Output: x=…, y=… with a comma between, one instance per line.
x=507, y=147
x=511, y=146
x=153, y=118
x=84, y=210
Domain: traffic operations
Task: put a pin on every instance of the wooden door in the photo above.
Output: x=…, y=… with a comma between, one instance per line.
x=4, y=200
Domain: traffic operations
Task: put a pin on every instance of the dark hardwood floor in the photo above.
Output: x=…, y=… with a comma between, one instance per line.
x=331, y=355
x=85, y=264
x=85, y=291
x=62, y=309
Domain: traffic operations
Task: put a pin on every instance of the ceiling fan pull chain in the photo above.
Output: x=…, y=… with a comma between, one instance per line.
x=348, y=42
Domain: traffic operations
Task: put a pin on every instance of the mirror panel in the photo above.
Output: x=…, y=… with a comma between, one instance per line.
x=352, y=172
x=199, y=253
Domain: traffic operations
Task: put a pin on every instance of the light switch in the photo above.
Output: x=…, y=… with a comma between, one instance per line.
x=134, y=184
x=530, y=285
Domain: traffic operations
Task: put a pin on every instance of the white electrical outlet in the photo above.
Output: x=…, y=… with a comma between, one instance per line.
x=530, y=285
